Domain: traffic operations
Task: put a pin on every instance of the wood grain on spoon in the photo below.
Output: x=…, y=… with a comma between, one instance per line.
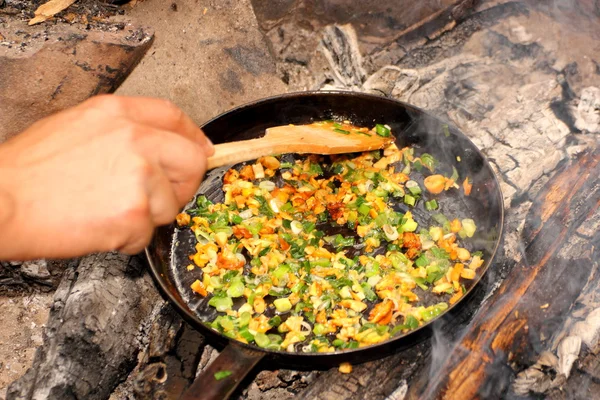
x=316, y=138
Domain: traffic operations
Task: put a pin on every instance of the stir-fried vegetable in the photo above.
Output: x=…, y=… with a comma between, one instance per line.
x=278, y=281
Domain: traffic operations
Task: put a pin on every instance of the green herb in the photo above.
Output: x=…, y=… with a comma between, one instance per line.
x=222, y=374
x=345, y=132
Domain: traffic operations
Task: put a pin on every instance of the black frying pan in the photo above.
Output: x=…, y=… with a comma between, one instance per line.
x=169, y=250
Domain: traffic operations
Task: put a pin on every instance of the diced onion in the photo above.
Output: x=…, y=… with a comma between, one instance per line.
x=267, y=185
x=307, y=328
x=427, y=244
x=246, y=214
x=368, y=185
x=274, y=204
x=240, y=257
x=296, y=227
x=391, y=233
x=258, y=170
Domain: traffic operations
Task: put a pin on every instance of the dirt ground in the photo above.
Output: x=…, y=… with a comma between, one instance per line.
x=21, y=323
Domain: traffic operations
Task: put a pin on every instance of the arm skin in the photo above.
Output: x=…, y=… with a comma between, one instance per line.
x=98, y=177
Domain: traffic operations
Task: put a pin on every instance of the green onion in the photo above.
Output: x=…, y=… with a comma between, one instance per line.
x=275, y=321
x=410, y=226
x=413, y=188
x=439, y=253
x=308, y=226
x=215, y=282
x=409, y=200
x=433, y=311
x=411, y=322
x=236, y=219
x=431, y=205
x=428, y=161
x=369, y=293
x=245, y=318
x=281, y=271
x=345, y=293
x=454, y=176
x=321, y=262
x=236, y=289
x=338, y=130
x=319, y=329
x=469, y=227
x=286, y=165
x=282, y=305
x=222, y=374
x=222, y=304
x=382, y=130
x=364, y=209
x=422, y=261
x=226, y=323
x=261, y=340
x=246, y=334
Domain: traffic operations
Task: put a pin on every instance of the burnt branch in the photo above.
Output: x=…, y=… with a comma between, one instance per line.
x=91, y=338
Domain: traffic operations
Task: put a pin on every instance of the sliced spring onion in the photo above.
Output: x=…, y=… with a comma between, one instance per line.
x=222, y=304
x=431, y=205
x=261, y=340
x=267, y=185
x=391, y=233
x=382, y=130
x=413, y=187
x=282, y=305
x=236, y=289
x=469, y=227
x=409, y=200
x=338, y=130
x=296, y=227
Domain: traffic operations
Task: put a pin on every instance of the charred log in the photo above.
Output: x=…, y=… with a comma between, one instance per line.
x=91, y=339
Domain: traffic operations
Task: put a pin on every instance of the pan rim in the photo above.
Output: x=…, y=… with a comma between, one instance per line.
x=197, y=323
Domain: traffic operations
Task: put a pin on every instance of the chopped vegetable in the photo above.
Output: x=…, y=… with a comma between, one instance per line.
x=222, y=374
x=277, y=281
x=345, y=368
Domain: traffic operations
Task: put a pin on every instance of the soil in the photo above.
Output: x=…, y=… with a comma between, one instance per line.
x=22, y=320
x=90, y=13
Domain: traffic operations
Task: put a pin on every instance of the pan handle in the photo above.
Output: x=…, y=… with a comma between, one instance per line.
x=235, y=359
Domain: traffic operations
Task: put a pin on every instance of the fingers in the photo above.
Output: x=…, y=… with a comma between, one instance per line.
x=181, y=162
x=162, y=200
x=156, y=113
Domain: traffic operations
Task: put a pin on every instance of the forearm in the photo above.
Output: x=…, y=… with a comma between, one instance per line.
x=7, y=216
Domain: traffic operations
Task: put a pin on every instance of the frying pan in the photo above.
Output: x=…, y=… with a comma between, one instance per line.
x=170, y=247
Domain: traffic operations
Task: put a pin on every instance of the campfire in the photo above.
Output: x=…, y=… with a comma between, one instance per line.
x=520, y=78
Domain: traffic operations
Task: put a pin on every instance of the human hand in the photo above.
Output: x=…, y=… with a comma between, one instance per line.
x=97, y=177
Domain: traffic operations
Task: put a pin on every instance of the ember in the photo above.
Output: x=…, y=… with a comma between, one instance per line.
x=520, y=78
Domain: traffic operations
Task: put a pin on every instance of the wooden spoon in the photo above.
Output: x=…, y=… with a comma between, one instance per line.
x=317, y=138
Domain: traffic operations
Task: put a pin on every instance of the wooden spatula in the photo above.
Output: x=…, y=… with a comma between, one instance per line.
x=317, y=138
